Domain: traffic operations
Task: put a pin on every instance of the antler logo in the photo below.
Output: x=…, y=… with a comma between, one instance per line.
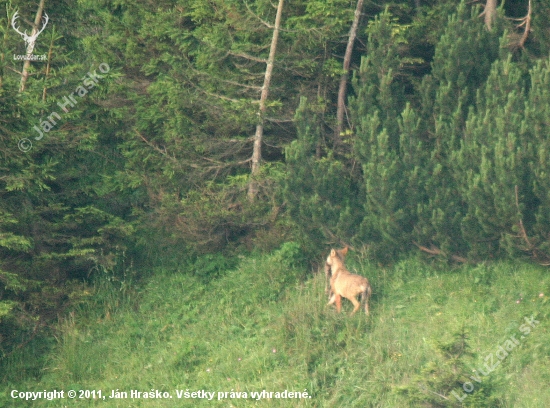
x=29, y=39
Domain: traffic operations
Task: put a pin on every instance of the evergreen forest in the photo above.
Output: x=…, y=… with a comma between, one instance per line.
x=175, y=172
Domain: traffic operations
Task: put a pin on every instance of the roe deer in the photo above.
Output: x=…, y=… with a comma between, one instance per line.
x=343, y=283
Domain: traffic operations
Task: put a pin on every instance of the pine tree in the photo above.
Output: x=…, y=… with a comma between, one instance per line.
x=537, y=204
x=500, y=161
x=390, y=161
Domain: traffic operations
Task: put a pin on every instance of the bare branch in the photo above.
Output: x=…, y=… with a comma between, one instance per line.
x=248, y=57
x=273, y=120
x=222, y=97
x=520, y=223
x=540, y=257
x=254, y=87
x=14, y=70
x=265, y=23
x=210, y=77
x=433, y=250
x=155, y=147
x=225, y=98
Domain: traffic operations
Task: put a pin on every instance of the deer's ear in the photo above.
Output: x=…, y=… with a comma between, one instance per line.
x=345, y=251
x=332, y=252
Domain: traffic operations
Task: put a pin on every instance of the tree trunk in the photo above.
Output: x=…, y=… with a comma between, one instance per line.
x=344, y=79
x=490, y=12
x=48, y=65
x=527, y=23
x=257, y=149
x=30, y=48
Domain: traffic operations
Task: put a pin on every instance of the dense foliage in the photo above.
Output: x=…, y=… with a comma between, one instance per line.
x=131, y=141
x=452, y=162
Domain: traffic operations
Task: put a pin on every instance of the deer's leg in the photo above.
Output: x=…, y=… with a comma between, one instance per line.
x=338, y=303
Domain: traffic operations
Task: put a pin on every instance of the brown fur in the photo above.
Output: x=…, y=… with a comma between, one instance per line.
x=343, y=283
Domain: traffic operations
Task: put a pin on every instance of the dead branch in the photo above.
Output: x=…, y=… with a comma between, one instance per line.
x=433, y=250
x=265, y=23
x=248, y=57
x=14, y=70
x=517, y=40
x=538, y=256
x=527, y=23
x=155, y=147
x=520, y=223
x=254, y=87
x=335, y=239
x=273, y=120
x=210, y=77
x=271, y=26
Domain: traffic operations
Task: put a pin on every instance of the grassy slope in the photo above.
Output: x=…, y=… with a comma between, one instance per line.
x=262, y=326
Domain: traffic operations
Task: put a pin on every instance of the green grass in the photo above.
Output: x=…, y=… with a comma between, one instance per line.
x=265, y=326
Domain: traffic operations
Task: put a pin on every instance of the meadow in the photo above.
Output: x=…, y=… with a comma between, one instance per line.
x=434, y=333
